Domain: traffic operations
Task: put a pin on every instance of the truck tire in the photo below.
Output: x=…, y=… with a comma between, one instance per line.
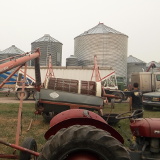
x=119, y=100
x=83, y=139
x=34, y=95
x=26, y=94
x=31, y=144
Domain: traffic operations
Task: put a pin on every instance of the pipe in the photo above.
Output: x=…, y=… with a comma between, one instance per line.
x=17, y=62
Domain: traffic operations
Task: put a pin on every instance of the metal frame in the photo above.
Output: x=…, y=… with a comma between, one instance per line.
x=3, y=68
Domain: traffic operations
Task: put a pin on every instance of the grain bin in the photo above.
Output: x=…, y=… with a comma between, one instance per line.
x=72, y=61
x=109, y=45
x=48, y=45
x=134, y=65
x=9, y=52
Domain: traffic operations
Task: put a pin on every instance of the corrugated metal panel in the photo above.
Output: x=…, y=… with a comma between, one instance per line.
x=46, y=38
x=132, y=59
x=72, y=61
x=48, y=45
x=13, y=50
x=100, y=28
x=110, y=48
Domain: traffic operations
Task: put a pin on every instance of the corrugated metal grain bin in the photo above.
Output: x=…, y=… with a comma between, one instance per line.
x=48, y=46
x=71, y=61
x=109, y=45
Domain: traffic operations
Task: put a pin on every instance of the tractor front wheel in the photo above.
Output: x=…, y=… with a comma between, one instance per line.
x=48, y=116
x=83, y=142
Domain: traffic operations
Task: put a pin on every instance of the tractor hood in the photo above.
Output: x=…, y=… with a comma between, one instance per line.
x=146, y=127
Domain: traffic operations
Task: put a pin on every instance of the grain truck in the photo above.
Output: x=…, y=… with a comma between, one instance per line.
x=148, y=81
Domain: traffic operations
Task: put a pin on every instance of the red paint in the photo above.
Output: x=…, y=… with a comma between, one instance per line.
x=80, y=117
x=146, y=127
x=17, y=62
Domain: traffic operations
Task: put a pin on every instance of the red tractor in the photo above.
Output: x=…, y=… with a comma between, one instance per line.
x=79, y=134
x=147, y=136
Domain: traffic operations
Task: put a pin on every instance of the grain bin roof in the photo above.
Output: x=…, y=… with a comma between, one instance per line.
x=100, y=28
x=46, y=38
x=132, y=59
x=12, y=50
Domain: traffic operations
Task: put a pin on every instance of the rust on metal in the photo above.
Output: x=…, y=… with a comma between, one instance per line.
x=20, y=108
x=19, y=148
x=17, y=62
x=3, y=83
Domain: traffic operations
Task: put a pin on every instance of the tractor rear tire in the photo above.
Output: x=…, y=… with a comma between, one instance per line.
x=83, y=139
x=31, y=144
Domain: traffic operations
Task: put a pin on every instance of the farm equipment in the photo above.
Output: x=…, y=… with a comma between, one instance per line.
x=30, y=82
x=77, y=133
x=146, y=132
x=63, y=94
x=29, y=86
x=16, y=63
x=109, y=82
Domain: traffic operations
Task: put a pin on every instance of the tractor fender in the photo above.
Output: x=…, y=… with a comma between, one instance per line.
x=80, y=117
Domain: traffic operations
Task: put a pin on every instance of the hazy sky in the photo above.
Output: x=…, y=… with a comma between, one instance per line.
x=24, y=21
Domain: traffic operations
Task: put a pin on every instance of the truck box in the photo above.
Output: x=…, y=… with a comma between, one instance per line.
x=148, y=82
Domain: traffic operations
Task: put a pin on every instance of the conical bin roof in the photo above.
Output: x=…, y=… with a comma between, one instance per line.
x=46, y=38
x=100, y=28
x=12, y=50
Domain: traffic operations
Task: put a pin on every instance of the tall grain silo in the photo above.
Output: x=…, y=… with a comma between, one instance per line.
x=72, y=61
x=48, y=46
x=109, y=45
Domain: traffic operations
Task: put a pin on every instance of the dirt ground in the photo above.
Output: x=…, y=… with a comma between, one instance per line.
x=14, y=100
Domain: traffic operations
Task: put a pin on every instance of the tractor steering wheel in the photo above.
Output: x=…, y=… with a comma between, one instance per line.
x=130, y=114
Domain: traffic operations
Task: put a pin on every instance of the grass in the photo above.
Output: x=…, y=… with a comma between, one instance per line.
x=8, y=124
x=7, y=94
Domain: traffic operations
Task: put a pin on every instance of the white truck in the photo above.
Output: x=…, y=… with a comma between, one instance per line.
x=148, y=81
